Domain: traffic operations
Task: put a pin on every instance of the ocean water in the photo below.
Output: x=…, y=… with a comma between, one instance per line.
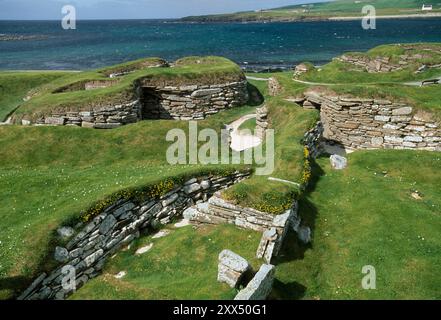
x=99, y=43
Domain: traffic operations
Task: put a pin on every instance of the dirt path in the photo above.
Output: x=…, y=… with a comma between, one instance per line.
x=239, y=140
x=257, y=78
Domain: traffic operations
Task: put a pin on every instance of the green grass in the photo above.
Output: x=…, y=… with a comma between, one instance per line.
x=182, y=265
x=66, y=93
x=339, y=72
x=15, y=85
x=51, y=174
x=250, y=125
x=365, y=215
x=345, y=80
x=289, y=122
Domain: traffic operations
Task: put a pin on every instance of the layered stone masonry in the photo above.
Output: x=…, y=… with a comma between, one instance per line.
x=313, y=140
x=261, y=122
x=232, y=268
x=260, y=287
x=103, y=118
x=193, y=102
x=117, y=226
x=273, y=237
x=178, y=103
x=274, y=87
x=384, y=64
x=359, y=123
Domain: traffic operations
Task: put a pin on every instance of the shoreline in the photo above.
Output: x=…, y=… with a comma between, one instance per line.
x=400, y=16
x=316, y=18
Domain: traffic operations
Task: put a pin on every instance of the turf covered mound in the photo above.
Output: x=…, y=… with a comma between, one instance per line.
x=118, y=85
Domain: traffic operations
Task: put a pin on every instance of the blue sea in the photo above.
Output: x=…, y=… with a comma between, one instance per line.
x=260, y=45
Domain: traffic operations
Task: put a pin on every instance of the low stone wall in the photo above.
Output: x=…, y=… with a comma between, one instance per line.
x=359, y=123
x=219, y=211
x=232, y=268
x=384, y=64
x=193, y=102
x=261, y=122
x=179, y=103
x=313, y=140
x=273, y=237
x=103, y=118
x=117, y=226
x=260, y=287
x=274, y=87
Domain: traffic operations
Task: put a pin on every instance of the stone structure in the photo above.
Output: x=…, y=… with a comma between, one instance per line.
x=274, y=87
x=101, y=118
x=359, y=123
x=231, y=268
x=260, y=287
x=192, y=102
x=381, y=64
x=117, y=226
x=218, y=211
x=313, y=140
x=273, y=237
x=300, y=69
x=261, y=122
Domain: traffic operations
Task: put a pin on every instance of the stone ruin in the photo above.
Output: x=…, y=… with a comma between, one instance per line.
x=360, y=123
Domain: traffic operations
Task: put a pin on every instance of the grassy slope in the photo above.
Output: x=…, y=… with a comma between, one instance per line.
x=182, y=265
x=191, y=70
x=324, y=10
x=50, y=174
x=15, y=85
x=289, y=123
x=365, y=215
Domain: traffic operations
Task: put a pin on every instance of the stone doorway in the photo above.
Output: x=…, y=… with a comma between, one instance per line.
x=151, y=105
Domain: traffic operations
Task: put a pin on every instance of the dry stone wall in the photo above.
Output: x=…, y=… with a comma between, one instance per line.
x=103, y=118
x=359, y=123
x=385, y=64
x=260, y=287
x=193, y=102
x=117, y=226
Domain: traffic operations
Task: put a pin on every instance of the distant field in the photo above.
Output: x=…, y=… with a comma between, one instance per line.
x=324, y=10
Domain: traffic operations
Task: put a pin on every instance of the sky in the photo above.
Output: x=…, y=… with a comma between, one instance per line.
x=131, y=9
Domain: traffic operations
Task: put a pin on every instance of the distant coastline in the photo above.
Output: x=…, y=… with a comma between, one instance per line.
x=232, y=19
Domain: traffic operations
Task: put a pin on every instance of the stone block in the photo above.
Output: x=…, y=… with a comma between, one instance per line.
x=260, y=286
x=231, y=268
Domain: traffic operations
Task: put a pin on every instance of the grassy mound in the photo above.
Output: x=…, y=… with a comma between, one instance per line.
x=68, y=93
x=14, y=86
x=343, y=72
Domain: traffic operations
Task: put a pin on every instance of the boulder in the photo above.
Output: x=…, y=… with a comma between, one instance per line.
x=61, y=254
x=338, y=162
x=304, y=234
x=65, y=232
